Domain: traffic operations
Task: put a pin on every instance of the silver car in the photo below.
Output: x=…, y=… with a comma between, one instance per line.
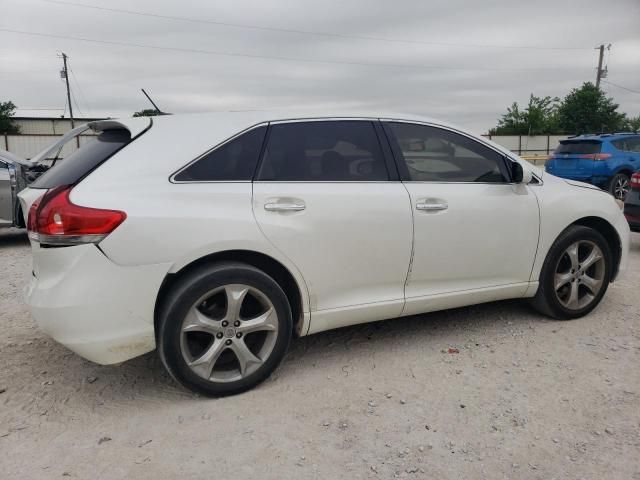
x=17, y=173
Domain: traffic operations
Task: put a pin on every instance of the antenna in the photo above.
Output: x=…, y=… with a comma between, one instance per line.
x=160, y=112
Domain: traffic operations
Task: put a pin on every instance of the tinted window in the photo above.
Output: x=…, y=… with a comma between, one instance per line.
x=234, y=160
x=323, y=151
x=579, y=147
x=81, y=162
x=431, y=154
x=628, y=144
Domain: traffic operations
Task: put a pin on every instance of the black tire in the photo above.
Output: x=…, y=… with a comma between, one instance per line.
x=546, y=301
x=184, y=295
x=615, y=183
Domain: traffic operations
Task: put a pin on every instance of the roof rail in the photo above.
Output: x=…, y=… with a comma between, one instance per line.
x=626, y=133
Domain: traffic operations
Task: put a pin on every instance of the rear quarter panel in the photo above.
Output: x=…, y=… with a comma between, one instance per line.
x=175, y=223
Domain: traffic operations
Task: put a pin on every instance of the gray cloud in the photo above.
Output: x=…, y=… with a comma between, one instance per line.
x=473, y=87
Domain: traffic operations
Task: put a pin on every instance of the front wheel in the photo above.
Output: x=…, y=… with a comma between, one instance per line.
x=224, y=329
x=575, y=274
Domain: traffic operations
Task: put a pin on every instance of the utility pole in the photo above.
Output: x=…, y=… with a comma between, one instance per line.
x=64, y=74
x=602, y=72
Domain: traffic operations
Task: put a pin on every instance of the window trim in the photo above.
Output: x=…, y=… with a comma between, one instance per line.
x=397, y=153
x=172, y=178
x=389, y=163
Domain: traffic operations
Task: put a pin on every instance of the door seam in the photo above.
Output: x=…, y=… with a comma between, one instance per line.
x=413, y=240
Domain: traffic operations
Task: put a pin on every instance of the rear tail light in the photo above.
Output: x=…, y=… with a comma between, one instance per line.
x=635, y=181
x=595, y=156
x=55, y=221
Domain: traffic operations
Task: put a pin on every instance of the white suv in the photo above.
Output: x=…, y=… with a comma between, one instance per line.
x=218, y=237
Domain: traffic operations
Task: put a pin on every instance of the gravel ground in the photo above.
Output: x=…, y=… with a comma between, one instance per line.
x=491, y=391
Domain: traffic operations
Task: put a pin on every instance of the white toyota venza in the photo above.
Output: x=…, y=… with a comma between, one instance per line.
x=216, y=238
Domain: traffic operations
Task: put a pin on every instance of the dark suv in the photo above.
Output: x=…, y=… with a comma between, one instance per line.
x=606, y=160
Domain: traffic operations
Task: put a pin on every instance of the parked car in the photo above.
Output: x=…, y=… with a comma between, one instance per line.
x=16, y=173
x=632, y=203
x=606, y=160
x=218, y=237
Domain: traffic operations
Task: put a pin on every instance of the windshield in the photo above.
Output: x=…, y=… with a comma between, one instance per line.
x=579, y=147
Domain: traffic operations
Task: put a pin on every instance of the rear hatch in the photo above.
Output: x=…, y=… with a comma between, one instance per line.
x=574, y=158
x=113, y=136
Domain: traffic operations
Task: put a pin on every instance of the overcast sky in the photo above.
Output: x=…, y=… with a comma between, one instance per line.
x=449, y=59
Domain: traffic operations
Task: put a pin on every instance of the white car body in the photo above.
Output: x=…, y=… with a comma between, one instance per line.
x=359, y=252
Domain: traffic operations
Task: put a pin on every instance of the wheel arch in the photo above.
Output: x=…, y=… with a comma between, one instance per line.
x=610, y=234
x=272, y=267
x=626, y=169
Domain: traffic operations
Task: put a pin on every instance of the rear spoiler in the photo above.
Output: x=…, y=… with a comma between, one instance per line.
x=135, y=126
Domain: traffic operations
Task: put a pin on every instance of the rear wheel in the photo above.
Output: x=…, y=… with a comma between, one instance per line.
x=575, y=274
x=224, y=329
x=619, y=186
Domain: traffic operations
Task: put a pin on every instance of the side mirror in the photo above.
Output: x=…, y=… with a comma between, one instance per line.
x=519, y=174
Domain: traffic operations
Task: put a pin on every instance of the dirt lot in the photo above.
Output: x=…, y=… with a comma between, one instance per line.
x=524, y=398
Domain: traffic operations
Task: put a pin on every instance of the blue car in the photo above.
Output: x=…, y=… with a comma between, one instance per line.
x=606, y=160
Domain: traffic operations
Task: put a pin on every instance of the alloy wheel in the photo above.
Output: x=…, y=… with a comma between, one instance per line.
x=229, y=333
x=579, y=275
x=621, y=188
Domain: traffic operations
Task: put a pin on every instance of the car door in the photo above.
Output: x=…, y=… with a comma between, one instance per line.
x=6, y=198
x=324, y=197
x=475, y=232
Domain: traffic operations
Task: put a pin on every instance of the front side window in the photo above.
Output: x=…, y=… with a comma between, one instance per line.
x=431, y=154
x=235, y=160
x=323, y=151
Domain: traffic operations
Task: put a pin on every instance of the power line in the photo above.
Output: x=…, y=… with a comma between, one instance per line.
x=266, y=57
x=306, y=32
x=620, y=86
x=84, y=98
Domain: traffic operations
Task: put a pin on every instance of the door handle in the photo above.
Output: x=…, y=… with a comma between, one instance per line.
x=432, y=207
x=284, y=207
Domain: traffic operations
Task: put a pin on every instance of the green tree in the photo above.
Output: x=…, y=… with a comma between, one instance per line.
x=539, y=117
x=588, y=110
x=632, y=124
x=7, y=109
x=147, y=112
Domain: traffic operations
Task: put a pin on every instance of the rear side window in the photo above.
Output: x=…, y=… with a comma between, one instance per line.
x=81, y=162
x=323, y=151
x=579, y=147
x=233, y=161
x=627, y=144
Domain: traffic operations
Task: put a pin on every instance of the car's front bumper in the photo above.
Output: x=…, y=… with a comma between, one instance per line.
x=632, y=209
x=100, y=310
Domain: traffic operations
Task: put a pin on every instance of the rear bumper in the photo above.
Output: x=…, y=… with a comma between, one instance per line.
x=96, y=308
